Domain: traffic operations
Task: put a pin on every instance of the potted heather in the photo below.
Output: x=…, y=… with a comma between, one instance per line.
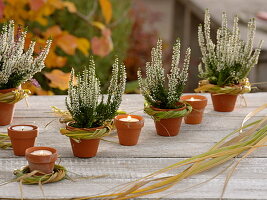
x=162, y=95
x=227, y=62
x=92, y=113
x=16, y=67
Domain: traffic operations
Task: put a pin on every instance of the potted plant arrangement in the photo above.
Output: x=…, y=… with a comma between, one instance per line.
x=92, y=113
x=163, y=96
x=227, y=62
x=16, y=67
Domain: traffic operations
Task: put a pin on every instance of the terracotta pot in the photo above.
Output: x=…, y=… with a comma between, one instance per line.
x=128, y=132
x=6, y=110
x=168, y=127
x=223, y=102
x=84, y=148
x=196, y=116
x=43, y=163
x=22, y=140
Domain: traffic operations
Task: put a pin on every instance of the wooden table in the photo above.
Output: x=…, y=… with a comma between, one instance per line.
x=122, y=164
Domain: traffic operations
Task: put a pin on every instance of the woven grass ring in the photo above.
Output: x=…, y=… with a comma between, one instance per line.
x=25, y=176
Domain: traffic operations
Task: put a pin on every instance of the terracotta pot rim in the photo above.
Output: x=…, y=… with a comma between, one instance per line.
x=41, y=159
x=33, y=126
x=70, y=128
x=85, y=139
x=175, y=109
x=7, y=90
x=126, y=115
x=129, y=125
x=215, y=94
x=196, y=104
x=201, y=97
x=19, y=135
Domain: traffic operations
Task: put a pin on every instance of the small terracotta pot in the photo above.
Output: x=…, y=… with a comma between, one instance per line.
x=168, y=127
x=43, y=163
x=196, y=116
x=22, y=140
x=128, y=132
x=6, y=110
x=84, y=148
x=223, y=102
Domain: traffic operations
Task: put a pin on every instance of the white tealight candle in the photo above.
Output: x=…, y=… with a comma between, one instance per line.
x=22, y=128
x=41, y=153
x=193, y=99
x=129, y=119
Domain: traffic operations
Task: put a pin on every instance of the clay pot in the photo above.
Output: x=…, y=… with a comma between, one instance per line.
x=195, y=117
x=128, y=132
x=223, y=102
x=22, y=140
x=42, y=163
x=6, y=110
x=168, y=127
x=84, y=148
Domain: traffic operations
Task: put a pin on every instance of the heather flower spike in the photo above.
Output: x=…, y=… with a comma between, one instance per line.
x=158, y=91
x=85, y=103
x=230, y=59
x=16, y=64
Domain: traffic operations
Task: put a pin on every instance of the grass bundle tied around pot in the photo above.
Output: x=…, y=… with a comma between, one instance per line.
x=244, y=141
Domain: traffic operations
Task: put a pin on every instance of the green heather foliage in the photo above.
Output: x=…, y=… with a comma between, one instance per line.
x=16, y=64
x=229, y=60
x=158, y=91
x=88, y=108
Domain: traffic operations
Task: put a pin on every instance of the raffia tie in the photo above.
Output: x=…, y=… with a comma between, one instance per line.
x=158, y=115
x=243, y=87
x=24, y=175
x=4, y=141
x=14, y=96
x=87, y=135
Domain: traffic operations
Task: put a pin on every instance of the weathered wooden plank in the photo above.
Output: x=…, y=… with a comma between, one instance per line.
x=243, y=185
x=123, y=164
x=41, y=107
x=148, y=146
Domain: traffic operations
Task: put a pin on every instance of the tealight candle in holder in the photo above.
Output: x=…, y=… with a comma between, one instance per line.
x=22, y=137
x=198, y=103
x=129, y=128
x=41, y=159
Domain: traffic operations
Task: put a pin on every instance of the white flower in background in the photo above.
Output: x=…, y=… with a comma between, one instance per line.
x=16, y=64
x=230, y=59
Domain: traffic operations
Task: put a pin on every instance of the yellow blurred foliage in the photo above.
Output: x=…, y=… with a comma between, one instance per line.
x=24, y=11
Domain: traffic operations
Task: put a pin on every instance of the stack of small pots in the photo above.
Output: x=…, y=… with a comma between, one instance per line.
x=41, y=159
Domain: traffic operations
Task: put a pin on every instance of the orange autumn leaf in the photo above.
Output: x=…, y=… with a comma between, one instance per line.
x=54, y=60
x=68, y=43
x=58, y=79
x=103, y=45
x=35, y=90
x=83, y=45
x=2, y=6
x=36, y=4
x=106, y=9
x=53, y=31
x=70, y=6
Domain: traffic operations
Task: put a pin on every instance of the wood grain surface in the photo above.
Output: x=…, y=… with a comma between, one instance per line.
x=120, y=164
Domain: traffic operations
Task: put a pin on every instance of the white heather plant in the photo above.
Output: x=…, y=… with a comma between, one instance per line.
x=157, y=91
x=230, y=59
x=17, y=65
x=88, y=108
